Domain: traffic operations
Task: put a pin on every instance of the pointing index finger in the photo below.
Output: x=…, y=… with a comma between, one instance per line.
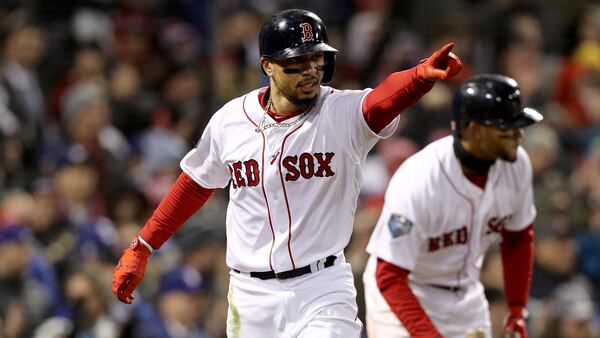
x=444, y=51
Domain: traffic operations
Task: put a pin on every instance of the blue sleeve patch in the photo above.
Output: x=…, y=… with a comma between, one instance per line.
x=399, y=225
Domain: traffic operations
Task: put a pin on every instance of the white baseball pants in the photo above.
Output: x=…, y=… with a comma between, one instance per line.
x=452, y=313
x=320, y=304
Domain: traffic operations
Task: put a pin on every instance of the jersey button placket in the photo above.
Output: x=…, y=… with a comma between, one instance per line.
x=279, y=216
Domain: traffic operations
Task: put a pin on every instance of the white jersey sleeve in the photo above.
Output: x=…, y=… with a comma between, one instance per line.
x=401, y=230
x=524, y=207
x=345, y=114
x=203, y=163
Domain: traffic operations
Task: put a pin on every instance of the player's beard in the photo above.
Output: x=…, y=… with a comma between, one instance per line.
x=304, y=104
x=508, y=152
x=509, y=156
x=290, y=95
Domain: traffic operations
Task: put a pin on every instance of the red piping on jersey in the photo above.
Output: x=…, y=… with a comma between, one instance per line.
x=287, y=204
x=262, y=184
x=470, y=226
x=497, y=181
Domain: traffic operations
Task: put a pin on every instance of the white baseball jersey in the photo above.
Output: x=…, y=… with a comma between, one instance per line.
x=438, y=224
x=293, y=190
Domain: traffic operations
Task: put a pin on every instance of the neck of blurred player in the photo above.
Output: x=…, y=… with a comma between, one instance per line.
x=472, y=162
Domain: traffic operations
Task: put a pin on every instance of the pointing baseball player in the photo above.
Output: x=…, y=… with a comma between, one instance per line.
x=444, y=207
x=290, y=154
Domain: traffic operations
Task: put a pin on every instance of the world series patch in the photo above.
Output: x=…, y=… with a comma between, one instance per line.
x=399, y=225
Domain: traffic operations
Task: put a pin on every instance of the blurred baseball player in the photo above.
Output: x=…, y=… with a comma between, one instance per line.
x=444, y=207
x=290, y=154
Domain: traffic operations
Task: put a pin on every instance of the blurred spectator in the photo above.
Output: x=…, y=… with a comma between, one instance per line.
x=86, y=294
x=22, y=52
x=588, y=251
x=91, y=26
x=86, y=135
x=572, y=312
x=127, y=204
x=577, y=85
x=29, y=291
x=131, y=105
x=236, y=68
x=543, y=145
x=77, y=190
x=381, y=165
x=89, y=66
x=554, y=258
x=181, y=42
x=135, y=40
x=181, y=306
x=88, y=314
x=51, y=230
x=366, y=26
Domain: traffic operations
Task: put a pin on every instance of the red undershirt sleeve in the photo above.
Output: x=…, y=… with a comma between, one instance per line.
x=183, y=199
x=517, y=260
x=393, y=285
x=396, y=93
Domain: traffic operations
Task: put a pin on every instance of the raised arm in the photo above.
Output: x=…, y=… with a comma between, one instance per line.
x=403, y=89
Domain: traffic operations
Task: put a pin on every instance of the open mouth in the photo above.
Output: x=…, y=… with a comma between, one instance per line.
x=308, y=84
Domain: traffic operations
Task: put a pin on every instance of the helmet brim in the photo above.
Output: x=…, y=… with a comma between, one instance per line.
x=527, y=117
x=302, y=50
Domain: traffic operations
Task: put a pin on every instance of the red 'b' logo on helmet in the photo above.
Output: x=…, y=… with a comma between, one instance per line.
x=307, y=33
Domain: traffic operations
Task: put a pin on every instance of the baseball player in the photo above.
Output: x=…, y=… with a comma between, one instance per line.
x=444, y=207
x=290, y=154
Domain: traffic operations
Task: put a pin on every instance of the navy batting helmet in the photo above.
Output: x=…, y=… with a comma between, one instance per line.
x=491, y=99
x=296, y=32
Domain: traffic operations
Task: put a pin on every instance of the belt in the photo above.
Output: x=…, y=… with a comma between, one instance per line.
x=327, y=262
x=447, y=288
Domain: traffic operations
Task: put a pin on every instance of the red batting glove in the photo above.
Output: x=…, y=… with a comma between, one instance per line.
x=130, y=270
x=514, y=325
x=441, y=65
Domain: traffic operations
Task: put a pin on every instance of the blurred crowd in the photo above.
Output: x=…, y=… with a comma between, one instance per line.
x=100, y=99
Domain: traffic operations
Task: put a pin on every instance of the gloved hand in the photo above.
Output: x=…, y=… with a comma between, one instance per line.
x=514, y=324
x=130, y=270
x=441, y=65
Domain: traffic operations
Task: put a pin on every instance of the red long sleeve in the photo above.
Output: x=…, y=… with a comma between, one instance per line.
x=393, y=285
x=183, y=199
x=396, y=93
x=517, y=260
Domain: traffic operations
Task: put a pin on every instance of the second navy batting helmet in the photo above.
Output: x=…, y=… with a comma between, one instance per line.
x=491, y=99
x=294, y=32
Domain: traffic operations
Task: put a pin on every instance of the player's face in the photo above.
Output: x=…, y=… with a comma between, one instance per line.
x=298, y=79
x=500, y=143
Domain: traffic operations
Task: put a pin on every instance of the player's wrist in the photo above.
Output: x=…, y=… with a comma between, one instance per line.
x=146, y=244
x=518, y=311
x=421, y=73
x=138, y=244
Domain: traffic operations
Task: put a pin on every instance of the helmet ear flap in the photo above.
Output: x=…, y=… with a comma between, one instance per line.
x=329, y=67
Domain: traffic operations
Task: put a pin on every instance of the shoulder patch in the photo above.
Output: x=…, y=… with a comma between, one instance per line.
x=399, y=225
